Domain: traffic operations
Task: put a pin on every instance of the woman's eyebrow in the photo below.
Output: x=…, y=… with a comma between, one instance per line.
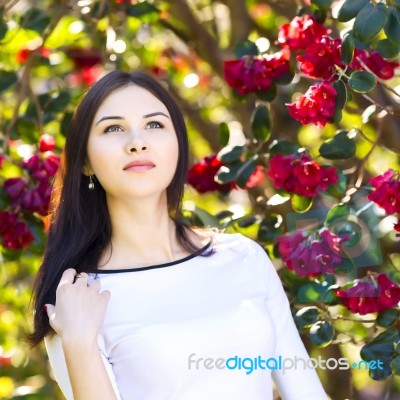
x=144, y=116
x=154, y=114
x=110, y=117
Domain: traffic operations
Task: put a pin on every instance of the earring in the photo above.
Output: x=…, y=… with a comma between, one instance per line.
x=91, y=183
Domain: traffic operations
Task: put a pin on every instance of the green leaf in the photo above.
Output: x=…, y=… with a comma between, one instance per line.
x=261, y=123
x=58, y=102
x=269, y=94
x=347, y=49
x=388, y=317
x=141, y=10
x=230, y=154
x=270, y=228
x=395, y=365
x=387, y=49
x=338, y=189
x=370, y=21
x=381, y=347
x=283, y=147
x=27, y=130
x=7, y=79
x=336, y=212
x=321, y=333
x=3, y=29
x=392, y=26
x=285, y=79
x=301, y=204
x=340, y=147
x=227, y=173
x=322, y=4
x=246, y=48
x=206, y=218
x=36, y=20
x=224, y=214
x=247, y=221
x=306, y=317
x=4, y=199
x=245, y=171
x=223, y=134
x=362, y=81
x=65, y=122
x=341, y=94
x=350, y=9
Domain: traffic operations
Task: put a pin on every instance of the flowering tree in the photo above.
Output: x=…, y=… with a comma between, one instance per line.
x=294, y=116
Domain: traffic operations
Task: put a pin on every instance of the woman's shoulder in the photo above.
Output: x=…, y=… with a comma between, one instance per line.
x=222, y=240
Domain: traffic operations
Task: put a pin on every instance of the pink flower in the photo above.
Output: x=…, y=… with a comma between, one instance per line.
x=316, y=106
x=301, y=32
x=370, y=295
x=387, y=191
x=14, y=187
x=311, y=255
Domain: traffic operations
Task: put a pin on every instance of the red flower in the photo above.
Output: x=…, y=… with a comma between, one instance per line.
x=251, y=74
x=46, y=143
x=319, y=59
x=23, y=55
x=316, y=106
x=370, y=295
x=301, y=32
x=15, y=233
x=202, y=176
x=257, y=178
x=301, y=176
x=375, y=62
x=18, y=236
x=387, y=191
x=6, y=220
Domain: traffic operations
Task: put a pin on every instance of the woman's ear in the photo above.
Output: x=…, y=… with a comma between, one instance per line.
x=87, y=169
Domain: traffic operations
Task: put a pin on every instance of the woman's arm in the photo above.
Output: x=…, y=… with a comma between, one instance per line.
x=293, y=382
x=77, y=317
x=56, y=356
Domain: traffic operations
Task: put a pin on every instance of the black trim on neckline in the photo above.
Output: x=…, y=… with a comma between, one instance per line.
x=181, y=260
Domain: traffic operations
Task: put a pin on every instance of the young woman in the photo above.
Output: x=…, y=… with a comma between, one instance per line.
x=132, y=303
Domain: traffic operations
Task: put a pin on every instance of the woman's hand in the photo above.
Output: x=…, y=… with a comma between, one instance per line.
x=80, y=307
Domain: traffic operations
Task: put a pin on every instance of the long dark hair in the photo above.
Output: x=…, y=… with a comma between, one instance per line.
x=80, y=226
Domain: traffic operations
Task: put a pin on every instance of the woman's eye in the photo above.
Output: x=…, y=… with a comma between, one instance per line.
x=154, y=125
x=113, y=128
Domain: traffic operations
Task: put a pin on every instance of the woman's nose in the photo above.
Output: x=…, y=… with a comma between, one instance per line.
x=136, y=143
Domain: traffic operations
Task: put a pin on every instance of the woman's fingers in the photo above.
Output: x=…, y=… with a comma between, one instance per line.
x=82, y=279
x=95, y=285
x=51, y=313
x=67, y=276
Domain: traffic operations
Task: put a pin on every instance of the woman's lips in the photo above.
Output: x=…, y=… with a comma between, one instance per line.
x=139, y=165
x=138, y=168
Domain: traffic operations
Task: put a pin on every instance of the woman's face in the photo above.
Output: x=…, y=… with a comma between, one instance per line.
x=132, y=126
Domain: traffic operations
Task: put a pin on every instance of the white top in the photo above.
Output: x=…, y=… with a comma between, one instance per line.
x=163, y=321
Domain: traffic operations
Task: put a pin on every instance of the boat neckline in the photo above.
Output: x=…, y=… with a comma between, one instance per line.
x=179, y=261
